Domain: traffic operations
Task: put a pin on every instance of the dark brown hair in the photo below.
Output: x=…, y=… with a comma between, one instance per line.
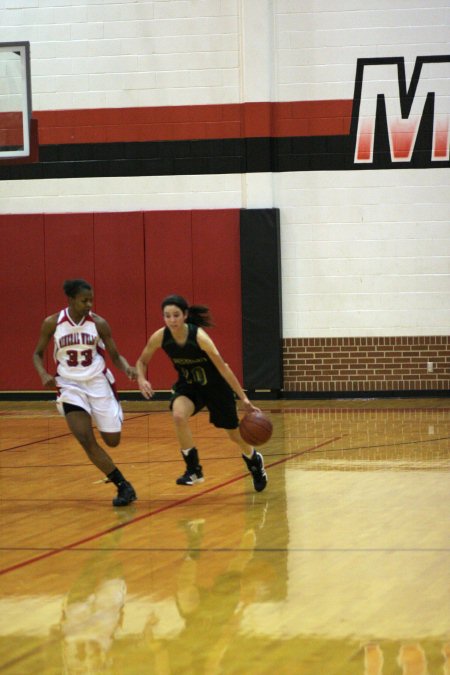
x=74, y=286
x=197, y=314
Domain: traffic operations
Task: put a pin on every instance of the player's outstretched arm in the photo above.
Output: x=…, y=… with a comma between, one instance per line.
x=208, y=346
x=47, y=330
x=104, y=330
x=154, y=343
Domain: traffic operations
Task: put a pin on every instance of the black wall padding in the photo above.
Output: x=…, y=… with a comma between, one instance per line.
x=261, y=299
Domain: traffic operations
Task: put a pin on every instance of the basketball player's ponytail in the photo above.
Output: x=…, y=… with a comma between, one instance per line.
x=199, y=315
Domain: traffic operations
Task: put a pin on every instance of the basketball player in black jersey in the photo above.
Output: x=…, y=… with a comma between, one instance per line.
x=204, y=380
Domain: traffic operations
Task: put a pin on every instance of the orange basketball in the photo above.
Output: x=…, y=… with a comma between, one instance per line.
x=255, y=428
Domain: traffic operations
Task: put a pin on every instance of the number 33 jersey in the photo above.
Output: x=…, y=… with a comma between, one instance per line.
x=78, y=349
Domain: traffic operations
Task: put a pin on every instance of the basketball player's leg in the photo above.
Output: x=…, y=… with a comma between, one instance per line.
x=108, y=415
x=252, y=458
x=80, y=424
x=112, y=440
x=235, y=436
x=182, y=409
x=226, y=417
x=223, y=415
x=106, y=410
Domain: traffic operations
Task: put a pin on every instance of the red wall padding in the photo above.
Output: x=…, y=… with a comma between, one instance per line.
x=217, y=279
x=168, y=256
x=133, y=261
x=195, y=254
x=22, y=274
x=120, y=282
x=69, y=254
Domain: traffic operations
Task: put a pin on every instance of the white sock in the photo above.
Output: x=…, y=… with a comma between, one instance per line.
x=186, y=452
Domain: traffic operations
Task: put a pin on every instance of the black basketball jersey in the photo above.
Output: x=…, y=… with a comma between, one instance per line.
x=192, y=364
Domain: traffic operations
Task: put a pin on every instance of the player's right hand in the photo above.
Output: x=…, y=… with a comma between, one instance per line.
x=249, y=407
x=145, y=388
x=48, y=381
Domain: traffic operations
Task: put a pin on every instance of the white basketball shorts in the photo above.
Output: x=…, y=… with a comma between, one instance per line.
x=96, y=396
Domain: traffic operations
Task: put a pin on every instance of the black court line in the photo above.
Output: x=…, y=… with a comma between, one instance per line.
x=360, y=409
x=151, y=514
x=271, y=411
x=230, y=549
x=31, y=652
x=54, y=438
x=148, y=462
x=388, y=445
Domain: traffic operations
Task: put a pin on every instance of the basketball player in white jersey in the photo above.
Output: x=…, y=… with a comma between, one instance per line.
x=84, y=383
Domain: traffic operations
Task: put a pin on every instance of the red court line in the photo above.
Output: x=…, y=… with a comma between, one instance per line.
x=150, y=514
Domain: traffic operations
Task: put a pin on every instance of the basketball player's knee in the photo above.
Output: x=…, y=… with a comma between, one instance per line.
x=112, y=442
x=179, y=418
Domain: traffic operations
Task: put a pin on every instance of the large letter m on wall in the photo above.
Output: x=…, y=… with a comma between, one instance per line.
x=385, y=79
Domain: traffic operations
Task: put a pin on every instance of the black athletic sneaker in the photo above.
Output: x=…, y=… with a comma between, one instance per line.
x=193, y=473
x=256, y=467
x=191, y=477
x=125, y=494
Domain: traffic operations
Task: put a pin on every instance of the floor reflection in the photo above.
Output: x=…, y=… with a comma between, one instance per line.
x=93, y=609
x=339, y=568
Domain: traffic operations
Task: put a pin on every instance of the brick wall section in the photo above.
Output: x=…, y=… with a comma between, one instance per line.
x=366, y=364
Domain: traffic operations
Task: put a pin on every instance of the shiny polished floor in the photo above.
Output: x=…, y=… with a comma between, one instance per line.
x=340, y=567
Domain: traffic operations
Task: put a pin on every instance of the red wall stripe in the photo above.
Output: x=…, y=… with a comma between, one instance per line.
x=247, y=120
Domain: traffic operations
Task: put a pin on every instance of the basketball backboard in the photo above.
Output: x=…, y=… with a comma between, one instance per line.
x=15, y=99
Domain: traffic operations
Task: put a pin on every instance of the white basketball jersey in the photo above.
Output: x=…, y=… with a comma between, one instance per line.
x=78, y=348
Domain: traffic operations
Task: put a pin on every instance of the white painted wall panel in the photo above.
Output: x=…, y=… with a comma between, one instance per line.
x=318, y=45
x=155, y=44
x=134, y=193
x=388, y=260
x=363, y=252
